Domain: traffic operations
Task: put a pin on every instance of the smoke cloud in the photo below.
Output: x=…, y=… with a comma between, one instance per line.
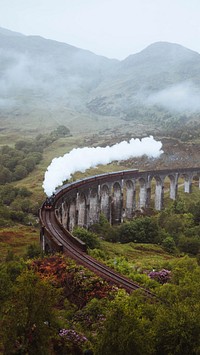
x=80, y=159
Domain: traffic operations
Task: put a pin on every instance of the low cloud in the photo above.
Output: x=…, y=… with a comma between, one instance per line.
x=182, y=97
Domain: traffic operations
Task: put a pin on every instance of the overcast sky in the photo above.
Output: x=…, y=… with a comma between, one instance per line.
x=113, y=28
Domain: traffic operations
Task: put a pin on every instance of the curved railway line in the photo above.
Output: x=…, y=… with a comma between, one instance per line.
x=60, y=236
x=64, y=241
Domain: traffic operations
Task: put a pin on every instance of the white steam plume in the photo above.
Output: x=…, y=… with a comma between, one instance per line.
x=80, y=159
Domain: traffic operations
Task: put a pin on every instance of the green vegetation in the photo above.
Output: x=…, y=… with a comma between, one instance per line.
x=16, y=206
x=26, y=329
x=135, y=323
x=83, y=312
x=160, y=251
x=90, y=239
x=176, y=228
x=16, y=238
x=21, y=195
x=16, y=163
x=50, y=305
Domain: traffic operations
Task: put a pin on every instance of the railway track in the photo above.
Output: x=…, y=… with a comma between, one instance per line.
x=52, y=226
x=61, y=238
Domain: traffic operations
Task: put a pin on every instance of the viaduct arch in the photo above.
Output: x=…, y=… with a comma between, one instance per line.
x=118, y=195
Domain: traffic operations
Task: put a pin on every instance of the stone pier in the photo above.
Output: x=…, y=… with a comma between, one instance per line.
x=119, y=195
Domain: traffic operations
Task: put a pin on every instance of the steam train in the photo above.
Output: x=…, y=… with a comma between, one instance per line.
x=49, y=202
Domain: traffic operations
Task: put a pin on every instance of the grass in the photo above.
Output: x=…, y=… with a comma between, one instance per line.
x=34, y=180
x=17, y=239
x=193, y=197
x=145, y=256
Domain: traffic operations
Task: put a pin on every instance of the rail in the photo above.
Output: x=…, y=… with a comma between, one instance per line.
x=66, y=242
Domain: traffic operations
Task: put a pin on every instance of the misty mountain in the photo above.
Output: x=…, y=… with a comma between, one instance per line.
x=163, y=74
x=49, y=83
x=34, y=63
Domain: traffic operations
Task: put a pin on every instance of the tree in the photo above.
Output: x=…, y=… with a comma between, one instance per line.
x=177, y=329
x=17, y=216
x=104, y=230
x=33, y=251
x=6, y=149
x=140, y=230
x=177, y=320
x=89, y=238
x=24, y=192
x=189, y=245
x=28, y=163
x=62, y=131
x=20, y=145
x=11, y=163
x=175, y=224
x=169, y=244
x=5, y=286
x=168, y=324
x=28, y=316
x=20, y=172
x=127, y=329
x=195, y=210
x=7, y=194
x=26, y=205
x=37, y=156
x=5, y=175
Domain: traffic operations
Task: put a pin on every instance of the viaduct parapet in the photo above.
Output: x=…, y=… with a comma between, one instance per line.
x=119, y=195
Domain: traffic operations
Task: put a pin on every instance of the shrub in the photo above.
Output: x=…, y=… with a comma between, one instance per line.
x=70, y=342
x=104, y=230
x=140, y=230
x=20, y=172
x=5, y=175
x=24, y=192
x=33, y=251
x=169, y=244
x=161, y=276
x=89, y=238
x=17, y=216
x=189, y=245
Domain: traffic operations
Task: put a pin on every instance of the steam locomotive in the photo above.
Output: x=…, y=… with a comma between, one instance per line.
x=49, y=202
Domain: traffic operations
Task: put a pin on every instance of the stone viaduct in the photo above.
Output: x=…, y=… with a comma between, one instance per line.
x=120, y=194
